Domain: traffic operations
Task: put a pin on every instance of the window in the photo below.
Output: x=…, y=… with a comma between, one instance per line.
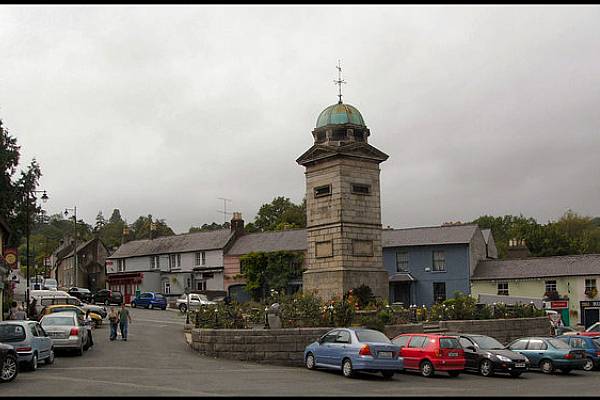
x=578, y=343
x=343, y=337
x=120, y=265
x=200, y=285
x=369, y=335
x=537, y=344
x=188, y=283
x=464, y=342
x=361, y=189
x=200, y=258
x=439, y=292
x=178, y=260
x=166, y=287
x=330, y=337
x=154, y=262
x=503, y=289
x=449, y=343
x=402, y=261
x=520, y=344
x=417, y=341
x=324, y=190
x=174, y=260
x=550, y=286
x=590, y=284
x=401, y=341
x=439, y=261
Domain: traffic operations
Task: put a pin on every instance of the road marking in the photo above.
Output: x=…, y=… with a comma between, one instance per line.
x=222, y=370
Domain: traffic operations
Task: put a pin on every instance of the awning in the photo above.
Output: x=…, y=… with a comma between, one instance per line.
x=125, y=278
x=402, y=277
x=208, y=269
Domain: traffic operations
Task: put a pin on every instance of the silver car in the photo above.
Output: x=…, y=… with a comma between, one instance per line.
x=196, y=300
x=66, y=331
x=29, y=340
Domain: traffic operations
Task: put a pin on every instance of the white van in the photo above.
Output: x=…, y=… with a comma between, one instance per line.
x=48, y=297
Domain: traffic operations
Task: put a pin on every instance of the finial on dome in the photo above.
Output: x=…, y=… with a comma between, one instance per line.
x=339, y=81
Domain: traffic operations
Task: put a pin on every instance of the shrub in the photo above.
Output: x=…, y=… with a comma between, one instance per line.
x=364, y=295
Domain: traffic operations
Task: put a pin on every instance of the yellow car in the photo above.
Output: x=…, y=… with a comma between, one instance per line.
x=69, y=307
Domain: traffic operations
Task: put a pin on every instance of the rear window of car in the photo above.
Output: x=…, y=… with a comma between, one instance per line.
x=449, y=343
x=12, y=333
x=558, y=344
x=57, y=321
x=372, y=336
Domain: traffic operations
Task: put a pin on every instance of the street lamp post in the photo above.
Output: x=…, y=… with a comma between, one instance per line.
x=30, y=196
x=74, y=209
x=187, y=307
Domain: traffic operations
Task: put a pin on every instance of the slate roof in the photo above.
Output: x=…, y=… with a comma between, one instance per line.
x=288, y=240
x=79, y=248
x=537, y=267
x=431, y=235
x=175, y=244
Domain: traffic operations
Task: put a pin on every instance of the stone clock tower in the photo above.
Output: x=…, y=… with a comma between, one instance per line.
x=343, y=206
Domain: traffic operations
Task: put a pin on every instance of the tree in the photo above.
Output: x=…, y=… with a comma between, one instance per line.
x=142, y=228
x=100, y=222
x=212, y=227
x=506, y=228
x=273, y=270
x=280, y=214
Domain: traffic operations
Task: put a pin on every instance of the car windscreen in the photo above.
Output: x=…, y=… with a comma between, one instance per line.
x=559, y=344
x=368, y=335
x=58, y=321
x=449, y=343
x=487, y=343
x=11, y=333
x=60, y=309
x=159, y=296
x=596, y=342
x=81, y=290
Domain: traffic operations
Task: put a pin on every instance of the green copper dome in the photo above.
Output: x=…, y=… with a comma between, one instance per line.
x=339, y=114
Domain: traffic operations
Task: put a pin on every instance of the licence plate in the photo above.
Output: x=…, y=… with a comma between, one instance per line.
x=385, y=354
x=520, y=365
x=452, y=354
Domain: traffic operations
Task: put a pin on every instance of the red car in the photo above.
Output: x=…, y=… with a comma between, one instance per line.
x=431, y=352
x=593, y=330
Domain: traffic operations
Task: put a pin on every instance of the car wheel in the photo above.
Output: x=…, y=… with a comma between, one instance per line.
x=515, y=374
x=589, y=364
x=426, y=369
x=453, y=374
x=33, y=364
x=182, y=308
x=310, y=361
x=151, y=306
x=387, y=374
x=163, y=308
x=546, y=366
x=9, y=368
x=50, y=358
x=486, y=368
x=347, y=368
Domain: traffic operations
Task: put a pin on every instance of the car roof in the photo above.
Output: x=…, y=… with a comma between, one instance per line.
x=13, y=322
x=59, y=314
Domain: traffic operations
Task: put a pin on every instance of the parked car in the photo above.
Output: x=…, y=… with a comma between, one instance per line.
x=196, y=300
x=82, y=294
x=107, y=297
x=488, y=356
x=100, y=310
x=72, y=308
x=548, y=354
x=8, y=362
x=150, y=300
x=29, y=340
x=591, y=345
x=352, y=350
x=429, y=353
x=50, y=284
x=592, y=330
x=66, y=331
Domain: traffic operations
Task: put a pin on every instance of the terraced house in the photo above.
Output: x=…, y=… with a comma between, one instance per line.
x=168, y=264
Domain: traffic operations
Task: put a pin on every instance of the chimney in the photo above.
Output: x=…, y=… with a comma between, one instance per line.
x=237, y=224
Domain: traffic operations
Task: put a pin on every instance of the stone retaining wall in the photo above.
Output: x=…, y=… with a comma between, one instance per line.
x=504, y=330
x=286, y=346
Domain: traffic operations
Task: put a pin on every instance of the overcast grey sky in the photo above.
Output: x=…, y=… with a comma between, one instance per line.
x=161, y=110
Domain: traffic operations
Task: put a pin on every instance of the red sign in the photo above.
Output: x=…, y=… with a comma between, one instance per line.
x=559, y=304
x=11, y=257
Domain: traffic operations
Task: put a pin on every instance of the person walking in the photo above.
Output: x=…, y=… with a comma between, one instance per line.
x=113, y=318
x=88, y=326
x=20, y=315
x=12, y=313
x=124, y=320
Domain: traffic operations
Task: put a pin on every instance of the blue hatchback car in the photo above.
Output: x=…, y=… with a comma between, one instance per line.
x=354, y=349
x=150, y=300
x=549, y=354
x=591, y=346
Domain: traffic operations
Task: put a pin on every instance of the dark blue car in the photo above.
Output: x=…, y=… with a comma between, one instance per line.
x=591, y=346
x=150, y=300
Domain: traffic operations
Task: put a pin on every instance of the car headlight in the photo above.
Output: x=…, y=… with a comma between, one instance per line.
x=526, y=359
x=503, y=358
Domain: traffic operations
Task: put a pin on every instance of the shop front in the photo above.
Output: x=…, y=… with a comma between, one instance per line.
x=127, y=283
x=590, y=312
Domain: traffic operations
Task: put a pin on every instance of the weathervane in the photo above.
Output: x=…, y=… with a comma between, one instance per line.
x=339, y=81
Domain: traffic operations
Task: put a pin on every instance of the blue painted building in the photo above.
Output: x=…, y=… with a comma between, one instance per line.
x=429, y=264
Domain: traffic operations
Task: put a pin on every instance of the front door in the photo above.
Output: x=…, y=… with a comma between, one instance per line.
x=413, y=352
x=128, y=292
x=402, y=293
x=470, y=355
x=591, y=316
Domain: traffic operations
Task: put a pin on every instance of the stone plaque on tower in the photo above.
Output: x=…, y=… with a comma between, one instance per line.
x=343, y=206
